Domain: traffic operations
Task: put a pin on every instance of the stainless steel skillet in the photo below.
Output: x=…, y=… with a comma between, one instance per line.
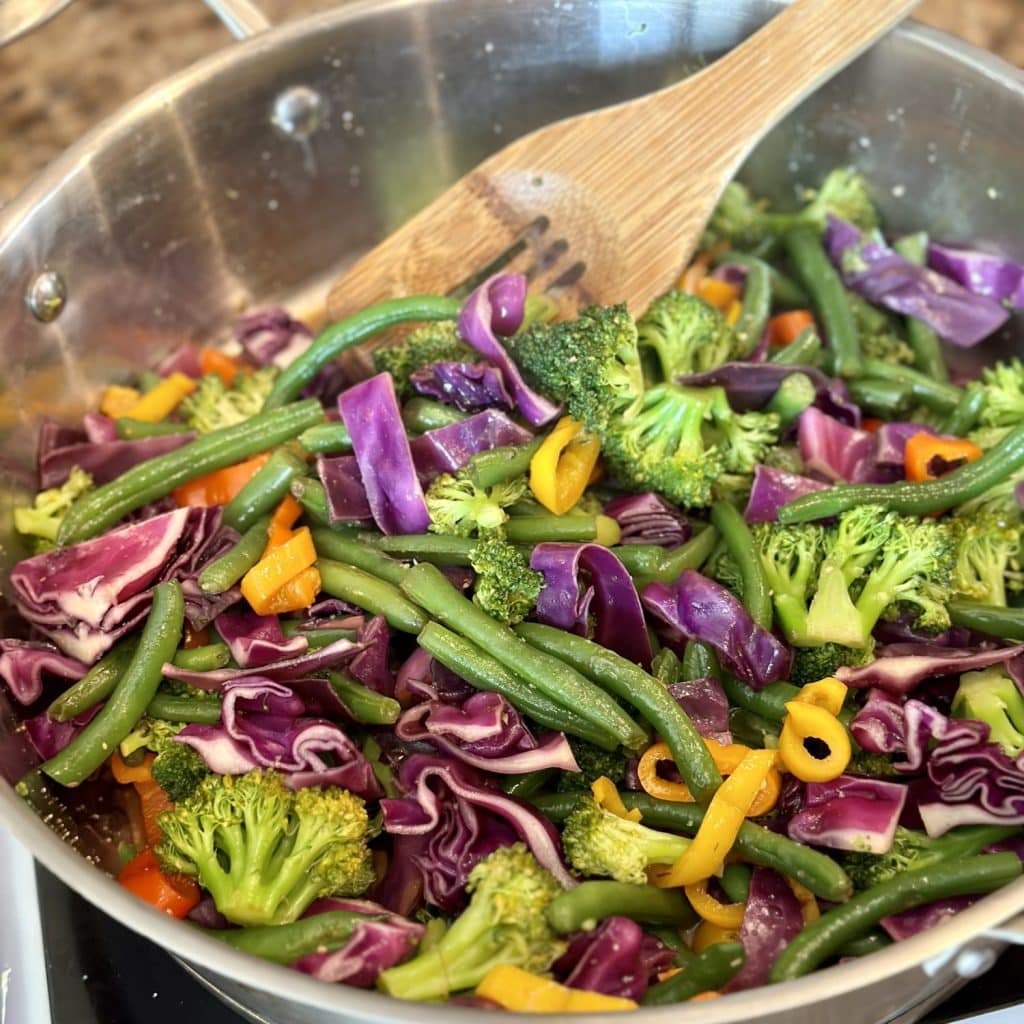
x=257, y=174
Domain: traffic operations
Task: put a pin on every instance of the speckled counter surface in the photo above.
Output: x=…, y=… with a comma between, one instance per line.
x=68, y=75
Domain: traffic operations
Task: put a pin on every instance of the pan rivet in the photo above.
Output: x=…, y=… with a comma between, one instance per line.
x=46, y=296
x=972, y=963
x=298, y=111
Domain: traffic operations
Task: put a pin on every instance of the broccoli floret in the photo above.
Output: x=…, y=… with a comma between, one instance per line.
x=663, y=449
x=879, y=332
x=743, y=438
x=878, y=562
x=1003, y=384
x=594, y=763
x=506, y=922
x=790, y=558
x=505, y=587
x=813, y=663
x=460, y=508
x=873, y=765
x=41, y=520
x=987, y=558
x=214, y=405
x=265, y=852
x=724, y=569
x=437, y=342
x=912, y=850
x=687, y=335
x=992, y=697
x=591, y=364
x=152, y=734
x=744, y=221
x=178, y=770
x=597, y=842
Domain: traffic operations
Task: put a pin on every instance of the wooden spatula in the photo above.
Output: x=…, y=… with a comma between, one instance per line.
x=607, y=206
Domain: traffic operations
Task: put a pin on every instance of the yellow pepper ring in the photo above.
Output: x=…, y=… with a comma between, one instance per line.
x=826, y=693
x=607, y=796
x=814, y=745
x=725, y=915
x=562, y=466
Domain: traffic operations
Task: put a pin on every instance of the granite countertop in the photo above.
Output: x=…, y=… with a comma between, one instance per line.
x=68, y=75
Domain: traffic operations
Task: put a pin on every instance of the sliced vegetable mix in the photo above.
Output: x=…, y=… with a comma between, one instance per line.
x=565, y=665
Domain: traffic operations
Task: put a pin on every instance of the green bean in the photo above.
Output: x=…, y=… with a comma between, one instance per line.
x=157, y=477
x=264, y=490
x=937, y=395
x=885, y=398
x=753, y=730
x=769, y=702
x=206, y=658
x=286, y=943
x=496, y=465
x=96, y=685
x=803, y=350
x=367, y=706
x=424, y=547
x=962, y=484
x=735, y=881
x=421, y=415
x=148, y=380
x=828, y=297
x=869, y=942
x=132, y=430
x=630, y=683
x=524, y=786
x=671, y=938
x=666, y=666
x=542, y=529
x=184, y=709
x=757, y=306
x=1005, y=623
x=589, y=903
x=135, y=689
x=700, y=661
x=312, y=496
x=784, y=289
x=336, y=338
x=817, y=871
x=427, y=586
x=708, y=971
x=824, y=938
x=326, y=439
x=965, y=416
x=317, y=638
x=648, y=563
x=370, y=593
x=224, y=572
x=792, y=396
x=757, y=598
x=479, y=669
x=346, y=549
x=923, y=340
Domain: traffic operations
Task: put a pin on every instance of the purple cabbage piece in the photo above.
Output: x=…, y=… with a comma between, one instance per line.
x=49, y=737
x=773, y=488
x=25, y=664
x=329, y=656
x=566, y=601
x=982, y=273
x=849, y=814
x=346, y=495
x=98, y=428
x=771, y=920
x=496, y=307
x=414, y=679
x=900, y=668
x=878, y=725
x=884, y=278
x=449, y=448
x=103, y=461
x=465, y=821
x=257, y=640
x=374, y=421
x=912, y=922
x=86, y=596
x=617, y=959
x=835, y=451
x=705, y=702
x=467, y=386
x=184, y=359
x=261, y=727
x=485, y=732
x=270, y=337
x=206, y=915
x=373, y=946
x=703, y=610
x=372, y=665
x=202, y=608
x=750, y=386
x=648, y=519
x=891, y=444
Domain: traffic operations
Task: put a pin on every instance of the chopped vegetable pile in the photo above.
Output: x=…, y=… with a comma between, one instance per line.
x=557, y=665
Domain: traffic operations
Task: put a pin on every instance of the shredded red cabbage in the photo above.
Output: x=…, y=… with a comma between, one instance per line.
x=467, y=386
x=849, y=814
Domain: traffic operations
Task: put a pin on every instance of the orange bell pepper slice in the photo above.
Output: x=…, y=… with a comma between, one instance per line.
x=212, y=360
x=175, y=895
x=220, y=486
x=297, y=594
x=129, y=774
x=261, y=584
x=922, y=451
x=281, y=522
x=787, y=327
x=719, y=294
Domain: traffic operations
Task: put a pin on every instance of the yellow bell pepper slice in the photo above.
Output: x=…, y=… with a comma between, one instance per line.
x=562, y=465
x=825, y=693
x=708, y=934
x=725, y=915
x=522, y=992
x=719, y=294
x=722, y=820
x=809, y=909
x=607, y=796
x=814, y=745
x=118, y=401
x=160, y=401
